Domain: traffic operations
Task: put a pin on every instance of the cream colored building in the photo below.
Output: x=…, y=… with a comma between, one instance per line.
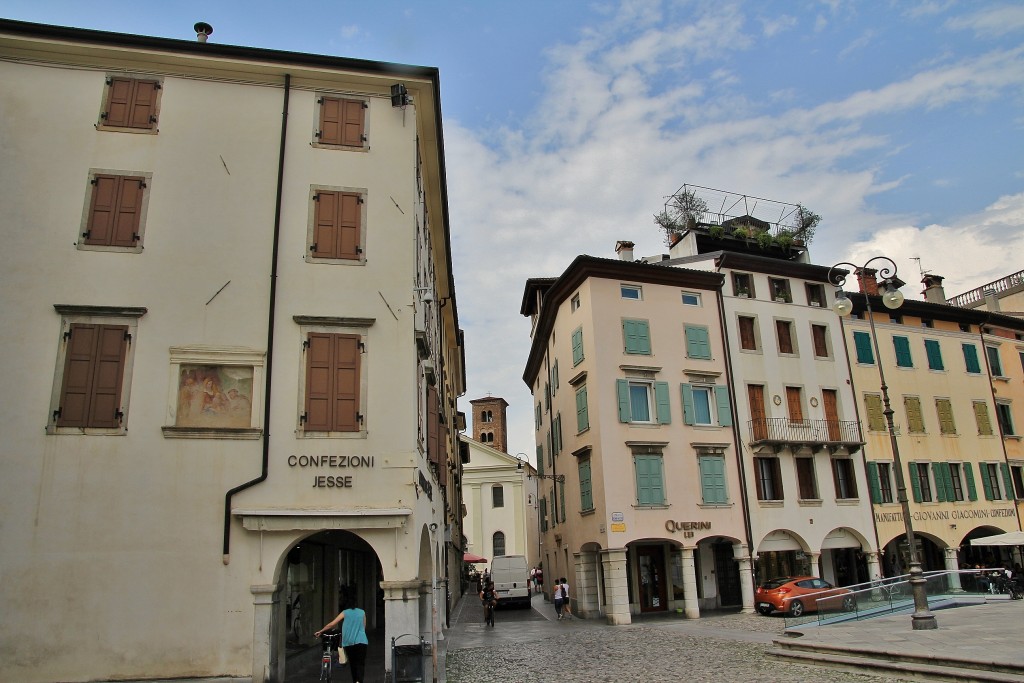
x=641, y=501
x=231, y=317
x=938, y=363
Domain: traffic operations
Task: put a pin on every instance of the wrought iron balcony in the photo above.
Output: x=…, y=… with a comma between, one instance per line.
x=781, y=432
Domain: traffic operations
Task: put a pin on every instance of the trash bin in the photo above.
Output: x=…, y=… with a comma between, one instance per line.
x=407, y=660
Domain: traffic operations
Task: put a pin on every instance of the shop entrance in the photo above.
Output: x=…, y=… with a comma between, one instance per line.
x=728, y=574
x=651, y=573
x=321, y=575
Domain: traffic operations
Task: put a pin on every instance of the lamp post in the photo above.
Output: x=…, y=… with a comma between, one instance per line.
x=922, y=619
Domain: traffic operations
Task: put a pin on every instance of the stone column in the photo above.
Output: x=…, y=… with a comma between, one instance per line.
x=401, y=613
x=874, y=566
x=586, y=585
x=741, y=553
x=266, y=664
x=815, y=564
x=616, y=590
x=691, y=605
x=952, y=564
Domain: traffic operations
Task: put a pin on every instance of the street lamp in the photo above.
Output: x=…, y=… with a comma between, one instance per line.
x=560, y=478
x=922, y=619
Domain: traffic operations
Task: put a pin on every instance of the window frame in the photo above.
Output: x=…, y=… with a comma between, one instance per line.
x=995, y=361
x=815, y=294
x=863, y=348
x=703, y=461
x=755, y=333
x=111, y=316
x=743, y=285
x=494, y=543
x=362, y=195
x=88, y=210
x=933, y=353
x=319, y=100
x=574, y=303
x=779, y=288
x=152, y=126
x=692, y=342
x=770, y=466
x=825, y=351
x=696, y=295
x=972, y=363
x=641, y=337
x=806, y=478
x=844, y=478
x=901, y=349
x=497, y=496
x=787, y=324
x=586, y=484
x=885, y=487
x=577, y=336
x=358, y=327
x=921, y=482
x=648, y=454
x=582, y=410
x=1004, y=417
x=637, y=289
x=952, y=417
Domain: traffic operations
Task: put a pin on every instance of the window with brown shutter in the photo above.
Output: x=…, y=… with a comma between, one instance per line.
x=748, y=333
x=794, y=404
x=115, y=215
x=819, y=333
x=131, y=103
x=342, y=122
x=90, y=393
x=433, y=425
x=337, y=225
x=332, y=383
x=784, y=330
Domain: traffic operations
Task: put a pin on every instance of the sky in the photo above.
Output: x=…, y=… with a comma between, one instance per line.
x=567, y=124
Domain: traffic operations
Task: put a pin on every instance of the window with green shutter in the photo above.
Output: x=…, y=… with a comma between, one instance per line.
x=712, y=479
x=971, y=358
x=582, y=415
x=650, y=489
x=874, y=487
x=990, y=480
x=586, y=485
x=636, y=336
x=943, y=484
x=915, y=416
x=543, y=514
x=862, y=343
x=698, y=342
x=561, y=500
x=945, y=411
x=972, y=491
x=931, y=347
x=537, y=417
x=873, y=407
x=1007, y=480
x=661, y=399
x=994, y=363
x=723, y=405
x=981, y=417
x=902, y=348
x=540, y=460
x=577, y=346
x=955, y=480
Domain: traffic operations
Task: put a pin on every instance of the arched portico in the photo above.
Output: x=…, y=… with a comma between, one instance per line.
x=784, y=552
x=846, y=558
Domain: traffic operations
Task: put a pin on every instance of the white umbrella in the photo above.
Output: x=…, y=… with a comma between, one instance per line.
x=1009, y=538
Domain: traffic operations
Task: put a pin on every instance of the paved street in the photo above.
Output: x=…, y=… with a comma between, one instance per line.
x=529, y=645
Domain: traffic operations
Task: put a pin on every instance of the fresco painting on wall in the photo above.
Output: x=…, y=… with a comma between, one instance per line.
x=214, y=396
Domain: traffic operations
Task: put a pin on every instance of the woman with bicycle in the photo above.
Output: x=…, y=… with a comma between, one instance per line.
x=353, y=639
x=490, y=600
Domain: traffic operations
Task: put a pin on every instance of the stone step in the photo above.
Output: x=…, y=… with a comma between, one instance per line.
x=903, y=670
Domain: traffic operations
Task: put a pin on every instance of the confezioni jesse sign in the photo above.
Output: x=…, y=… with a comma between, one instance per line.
x=328, y=463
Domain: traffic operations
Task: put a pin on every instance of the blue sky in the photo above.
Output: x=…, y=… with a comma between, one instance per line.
x=568, y=123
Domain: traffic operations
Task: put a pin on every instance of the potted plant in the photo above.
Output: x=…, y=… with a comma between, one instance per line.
x=785, y=239
x=764, y=239
x=716, y=231
x=741, y=232
x=681, y=213
x=806, y=221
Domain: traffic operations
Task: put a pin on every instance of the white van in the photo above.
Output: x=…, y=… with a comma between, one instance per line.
x=511, y=576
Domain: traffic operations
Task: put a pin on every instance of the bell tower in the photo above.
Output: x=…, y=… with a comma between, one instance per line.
x=489, y=425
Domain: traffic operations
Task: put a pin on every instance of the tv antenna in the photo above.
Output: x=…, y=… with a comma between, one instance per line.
x=919, y=268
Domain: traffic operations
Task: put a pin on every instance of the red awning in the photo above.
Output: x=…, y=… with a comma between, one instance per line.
x=471, y=558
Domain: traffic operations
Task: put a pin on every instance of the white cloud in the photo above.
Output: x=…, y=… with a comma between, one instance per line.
x=992, y=21
x=775, y=25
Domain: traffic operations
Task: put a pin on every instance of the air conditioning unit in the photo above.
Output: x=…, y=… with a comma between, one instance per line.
x=429, y=372
x=420, y=332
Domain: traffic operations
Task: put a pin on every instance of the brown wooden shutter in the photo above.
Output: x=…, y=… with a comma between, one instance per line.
x=330, y=120
x=319, y=379
x=793, y=403
x=755, y=396
x=785, y=339
x=128, y=216
x=348, y=221
x=102, y=210
x=119, y=102
x=93, y=375
x=112, y=347
x=747, y=340
x=354, y=117
x=915, y=416
x=830, y=406
x=876, y=418
x=820, y=343
x=980, y=416
x=432, y=424
x=143, y=110
x=325, y=227
x=346, y=383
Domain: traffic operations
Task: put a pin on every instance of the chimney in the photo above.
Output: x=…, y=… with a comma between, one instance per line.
x=867, y=281
x=933, y=291
x=203, y=31
x=991, y=302
x=625, y=250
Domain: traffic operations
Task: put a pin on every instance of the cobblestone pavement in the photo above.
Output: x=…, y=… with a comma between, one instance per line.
x=715, y=648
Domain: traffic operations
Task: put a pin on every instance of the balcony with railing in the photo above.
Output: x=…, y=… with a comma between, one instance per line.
x=782, y=432
x=977, y=295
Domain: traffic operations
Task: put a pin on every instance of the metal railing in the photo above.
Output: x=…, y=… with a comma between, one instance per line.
x=885, y=596
x=782, y=430
x=978, y=293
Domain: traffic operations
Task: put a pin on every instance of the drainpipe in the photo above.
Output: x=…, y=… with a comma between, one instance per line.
x=270, y=332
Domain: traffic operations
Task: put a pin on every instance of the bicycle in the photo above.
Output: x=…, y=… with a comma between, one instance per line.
x=489, y=614
x=886, y=591
x=329, y=641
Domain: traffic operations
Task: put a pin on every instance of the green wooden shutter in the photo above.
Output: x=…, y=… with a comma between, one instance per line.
x=986, y=485
x=698, y=343
x=637, y=336
x=876, y=419
x=1007, y=480
x=650, y=490
x=561, y=500
x=971, y=358
x=582, y=413
x=577, y=346
x=586, y=486
x=543, y=514
x=931, y=347
x=724, y=407
x=712, y=480
x=972, y=491
x=915, y=416
x=902, y=347
x=862, y=342
x=558, y=431
x=943, y=482
x=874, y=486
x=622, y=389
x=540, y=459
x=945, y=411
x=554, y=377
x=915, y=483
x=537, y=417
x=982, y=418
x=661, y=399
x=688, y=413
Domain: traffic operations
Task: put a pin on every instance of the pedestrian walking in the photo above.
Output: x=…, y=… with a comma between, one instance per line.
x=533, y=580
x=566, y=606
x=353, y=639
x=559, y=598
x=539, y=578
